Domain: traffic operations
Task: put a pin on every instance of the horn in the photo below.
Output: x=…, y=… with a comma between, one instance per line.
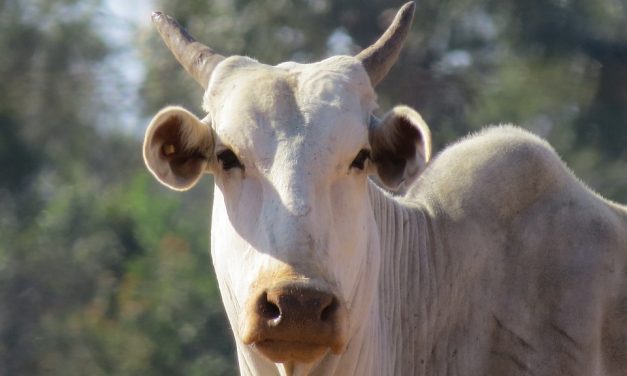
x=197, y=59
x=382, y=54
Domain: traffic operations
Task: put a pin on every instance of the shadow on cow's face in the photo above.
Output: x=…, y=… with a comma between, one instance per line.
x=291, y=218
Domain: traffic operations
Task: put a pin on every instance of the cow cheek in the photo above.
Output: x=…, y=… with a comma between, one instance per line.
x=349, y=222
x=230, y=253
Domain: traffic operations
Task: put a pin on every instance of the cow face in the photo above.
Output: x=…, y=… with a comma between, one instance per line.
x=294, y=241
x=291, y=191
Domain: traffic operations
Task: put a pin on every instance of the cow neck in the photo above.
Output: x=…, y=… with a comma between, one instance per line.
x=408, y=281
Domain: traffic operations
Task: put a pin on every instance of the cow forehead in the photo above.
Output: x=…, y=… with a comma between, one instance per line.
x=259, y=109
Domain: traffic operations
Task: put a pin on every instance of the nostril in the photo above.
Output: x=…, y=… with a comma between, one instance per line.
x=267, y=309
x=329, y=310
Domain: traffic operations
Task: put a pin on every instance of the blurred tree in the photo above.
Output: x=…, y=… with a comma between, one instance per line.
x=596, y=31
x=583, y=43
x=95, y=277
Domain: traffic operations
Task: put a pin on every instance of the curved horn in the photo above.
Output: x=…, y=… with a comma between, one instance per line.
x=197, y=59
x=382, y=54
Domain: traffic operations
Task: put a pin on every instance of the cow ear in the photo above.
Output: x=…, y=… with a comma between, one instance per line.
x=401, y=147
x=177, y=147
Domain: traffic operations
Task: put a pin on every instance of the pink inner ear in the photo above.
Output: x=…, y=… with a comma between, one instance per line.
x=398, y=154
x=406, y=136
x=185, y=165
x=167, y=138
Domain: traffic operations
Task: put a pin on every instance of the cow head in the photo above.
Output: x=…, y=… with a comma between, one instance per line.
x=294, y=240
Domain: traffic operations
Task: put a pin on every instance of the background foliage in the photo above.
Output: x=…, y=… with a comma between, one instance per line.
x=102, y=271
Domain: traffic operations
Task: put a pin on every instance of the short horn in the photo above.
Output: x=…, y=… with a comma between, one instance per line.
x=197, y=59
x=380, y=56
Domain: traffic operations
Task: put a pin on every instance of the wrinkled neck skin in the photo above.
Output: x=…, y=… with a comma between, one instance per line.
x=387, y=339
x=406, y=286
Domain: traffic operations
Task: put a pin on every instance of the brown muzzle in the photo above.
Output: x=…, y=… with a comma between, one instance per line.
x=295, y=321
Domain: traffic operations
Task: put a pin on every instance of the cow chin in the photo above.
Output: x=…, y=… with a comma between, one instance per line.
x=290, y=351
x=295, y=322
x=299, y=349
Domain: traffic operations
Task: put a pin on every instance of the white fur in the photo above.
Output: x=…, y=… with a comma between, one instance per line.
x=497, y=262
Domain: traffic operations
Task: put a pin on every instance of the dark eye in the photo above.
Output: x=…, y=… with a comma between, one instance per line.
x=360, y=160
x=229, y=160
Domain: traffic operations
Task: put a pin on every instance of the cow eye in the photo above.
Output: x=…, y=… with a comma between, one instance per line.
x=229, y=160
x=360, y=160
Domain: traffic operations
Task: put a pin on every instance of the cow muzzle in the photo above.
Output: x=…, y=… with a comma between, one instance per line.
x=295, y=321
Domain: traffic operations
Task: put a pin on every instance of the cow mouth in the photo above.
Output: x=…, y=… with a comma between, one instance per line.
x=280, y=351
x=295, y=321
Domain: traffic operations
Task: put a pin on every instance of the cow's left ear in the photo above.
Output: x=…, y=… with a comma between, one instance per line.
x=401, y=147
x=178, y=147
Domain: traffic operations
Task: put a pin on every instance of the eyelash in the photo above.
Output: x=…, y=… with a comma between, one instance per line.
x=229, y=160
x=360, y=160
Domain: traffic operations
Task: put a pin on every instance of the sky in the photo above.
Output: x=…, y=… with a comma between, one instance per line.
x=121, y=23
x=137, y=11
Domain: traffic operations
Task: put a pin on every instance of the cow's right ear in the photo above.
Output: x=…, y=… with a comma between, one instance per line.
x=177, y=147
x=401, y=147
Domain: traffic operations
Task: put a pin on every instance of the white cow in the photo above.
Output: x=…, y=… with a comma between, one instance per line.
x=497, y=261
